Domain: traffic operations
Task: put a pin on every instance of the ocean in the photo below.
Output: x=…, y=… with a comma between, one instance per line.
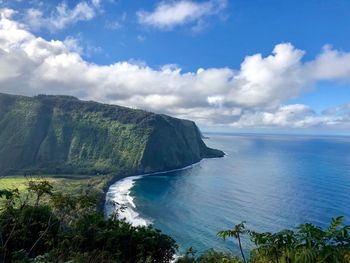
x=270, y=181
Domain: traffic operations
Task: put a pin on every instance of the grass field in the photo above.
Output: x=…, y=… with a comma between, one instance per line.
x=21, y=182
x=67, y=184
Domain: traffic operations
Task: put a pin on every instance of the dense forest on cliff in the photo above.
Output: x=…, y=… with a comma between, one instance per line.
x=63, y=135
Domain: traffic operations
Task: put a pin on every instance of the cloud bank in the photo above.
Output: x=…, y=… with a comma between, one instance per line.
x=255, y=95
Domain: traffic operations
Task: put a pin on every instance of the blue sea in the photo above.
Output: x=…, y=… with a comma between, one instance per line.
x=270, y=181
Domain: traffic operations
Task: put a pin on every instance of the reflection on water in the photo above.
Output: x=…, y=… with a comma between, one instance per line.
x=272, y=182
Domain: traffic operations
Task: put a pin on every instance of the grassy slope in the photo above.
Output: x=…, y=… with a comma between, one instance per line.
x=62, y=135
x=67, y=184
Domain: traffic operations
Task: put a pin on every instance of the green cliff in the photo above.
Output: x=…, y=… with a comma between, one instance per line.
x=61, y=134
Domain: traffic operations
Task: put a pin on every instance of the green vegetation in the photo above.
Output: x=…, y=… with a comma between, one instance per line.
x=59, y=218
x=210, y=256
x=63, y=135
x=21, y=182
x=69, y=184
x=236, y=232
x=51, y=226
x=43, y=223
x=307, y=244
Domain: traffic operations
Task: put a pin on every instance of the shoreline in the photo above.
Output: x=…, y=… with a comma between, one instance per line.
x=119, y=192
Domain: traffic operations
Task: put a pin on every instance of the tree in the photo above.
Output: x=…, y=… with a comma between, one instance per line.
x=40, y=188
x=308, y=244
x=62, y=228
x=236, y=232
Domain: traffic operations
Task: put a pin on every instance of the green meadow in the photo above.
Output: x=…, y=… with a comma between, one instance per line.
x=66, y=184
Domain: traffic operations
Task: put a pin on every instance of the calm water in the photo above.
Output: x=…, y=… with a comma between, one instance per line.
x=270, y=181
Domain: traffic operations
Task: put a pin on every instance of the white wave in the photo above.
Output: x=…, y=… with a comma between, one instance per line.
x=119, y=195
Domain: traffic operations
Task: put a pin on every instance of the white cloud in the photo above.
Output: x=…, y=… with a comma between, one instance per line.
x=255, y=95
x=73, y=44
x=118, y=23
x=271, y=80
x=115, y=25
x=63, y=16
x=169, y=14
x=283, y=116
x=294, y=116
x=330, y=64
x=96, y=3
x=141, y=38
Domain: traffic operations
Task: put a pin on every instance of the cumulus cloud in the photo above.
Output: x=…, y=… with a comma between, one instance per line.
x=255, y=95
x=260, y=80
x=295, y=116
x=62, y=16
x=96, y=2
x=169, y=14
x=330, y=65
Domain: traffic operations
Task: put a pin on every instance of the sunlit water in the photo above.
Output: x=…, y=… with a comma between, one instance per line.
x=269, y=181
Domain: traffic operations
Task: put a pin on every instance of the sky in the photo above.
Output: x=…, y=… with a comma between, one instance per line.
x=238, y=65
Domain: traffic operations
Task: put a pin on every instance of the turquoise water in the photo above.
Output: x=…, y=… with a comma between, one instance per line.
x=270, y=181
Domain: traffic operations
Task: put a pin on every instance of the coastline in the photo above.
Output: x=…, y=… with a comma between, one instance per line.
x=118, y=192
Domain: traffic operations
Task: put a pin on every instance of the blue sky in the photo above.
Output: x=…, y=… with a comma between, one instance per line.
x=243, y=28
x=241, y=84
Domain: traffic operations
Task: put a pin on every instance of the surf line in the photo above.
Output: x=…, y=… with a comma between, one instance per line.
x=119, y=193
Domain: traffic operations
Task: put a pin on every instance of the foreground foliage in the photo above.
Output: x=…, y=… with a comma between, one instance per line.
x=210, y=256
x=307, y=244
x=68, y=229
x=40, y=224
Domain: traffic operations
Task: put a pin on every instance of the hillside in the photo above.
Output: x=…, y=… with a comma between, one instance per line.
x=61, y=134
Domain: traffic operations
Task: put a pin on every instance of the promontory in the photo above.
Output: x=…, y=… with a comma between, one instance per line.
x=62, y=135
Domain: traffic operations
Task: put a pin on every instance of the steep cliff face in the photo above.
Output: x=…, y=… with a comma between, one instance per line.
x=61, y=134
x=174, y=143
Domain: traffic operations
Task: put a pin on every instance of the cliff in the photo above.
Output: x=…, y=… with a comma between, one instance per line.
x=61, y=134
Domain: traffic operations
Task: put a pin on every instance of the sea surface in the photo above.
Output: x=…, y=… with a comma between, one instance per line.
x=270, y=181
